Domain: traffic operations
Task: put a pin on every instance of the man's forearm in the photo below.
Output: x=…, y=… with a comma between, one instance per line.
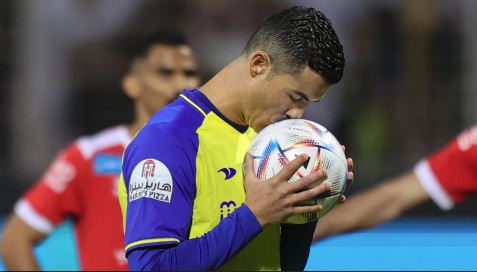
x=17, y=245
x=20, y=257
x=208, y=252
x=374, y=206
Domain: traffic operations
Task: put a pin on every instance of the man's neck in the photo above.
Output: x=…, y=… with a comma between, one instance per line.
x=224, y=91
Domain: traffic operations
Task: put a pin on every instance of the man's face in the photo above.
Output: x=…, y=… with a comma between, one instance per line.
x=282, y=96
x=162, y=74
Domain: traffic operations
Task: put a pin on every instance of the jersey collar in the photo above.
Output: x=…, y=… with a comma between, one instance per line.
x=206, y=105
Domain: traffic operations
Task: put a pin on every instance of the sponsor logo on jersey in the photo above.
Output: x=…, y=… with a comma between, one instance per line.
x=59, y=175
x=467, y=139
x=229, y=172
x=107, y=164
x=227, y=208
x=151, y=179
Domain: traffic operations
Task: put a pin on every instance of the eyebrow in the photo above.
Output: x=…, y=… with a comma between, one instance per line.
x=304, y=96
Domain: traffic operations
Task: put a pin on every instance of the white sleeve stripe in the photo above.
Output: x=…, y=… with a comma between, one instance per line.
x=32, y=218
x=431, y=185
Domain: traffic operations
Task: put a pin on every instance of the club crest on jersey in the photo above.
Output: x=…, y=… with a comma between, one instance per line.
x=229, y=172
x=150, y=179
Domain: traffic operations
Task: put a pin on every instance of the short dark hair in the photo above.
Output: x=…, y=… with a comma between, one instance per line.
x=298, y=37
x=138, y=45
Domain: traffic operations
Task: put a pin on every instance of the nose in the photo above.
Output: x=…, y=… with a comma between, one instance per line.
x=295, y=113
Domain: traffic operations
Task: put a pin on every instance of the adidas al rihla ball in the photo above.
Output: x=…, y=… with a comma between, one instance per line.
x=281, y=142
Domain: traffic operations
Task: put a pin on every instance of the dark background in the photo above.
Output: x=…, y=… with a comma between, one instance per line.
x=409, y=85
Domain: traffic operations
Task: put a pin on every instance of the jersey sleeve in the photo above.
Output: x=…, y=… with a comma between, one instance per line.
x=295, y=242
x=159, y=178
x=450, y=174
x=53, y=197
x=206, y=253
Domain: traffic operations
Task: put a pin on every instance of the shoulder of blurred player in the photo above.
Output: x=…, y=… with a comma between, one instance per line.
x=107, y=138
x=55, y=194
x=72, y=160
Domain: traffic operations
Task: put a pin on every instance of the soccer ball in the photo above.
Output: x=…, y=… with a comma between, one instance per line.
x=281, y=142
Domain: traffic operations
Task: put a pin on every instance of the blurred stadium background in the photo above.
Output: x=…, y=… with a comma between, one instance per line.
x=410, y=81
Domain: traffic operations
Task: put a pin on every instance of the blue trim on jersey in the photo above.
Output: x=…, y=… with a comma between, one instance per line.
x=170, y=138
x=202, y=101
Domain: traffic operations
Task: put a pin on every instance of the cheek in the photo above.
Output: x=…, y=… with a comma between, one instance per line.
x=158, y=85
x=268, y=113
x=153, y=97
x=268, y=104
x=275, y=105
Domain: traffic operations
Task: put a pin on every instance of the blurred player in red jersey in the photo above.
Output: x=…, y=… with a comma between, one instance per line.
x=81, y=183
x=447, y=177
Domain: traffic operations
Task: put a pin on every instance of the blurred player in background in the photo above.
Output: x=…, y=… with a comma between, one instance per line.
x=81, y=183
x=180, y=211
x=448, y=176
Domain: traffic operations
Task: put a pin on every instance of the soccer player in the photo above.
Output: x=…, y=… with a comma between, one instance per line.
x=447, y=177
x=180, y=211
x=81, y=183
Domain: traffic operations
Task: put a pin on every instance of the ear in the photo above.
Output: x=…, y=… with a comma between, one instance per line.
x=259, y=64
x=131, y=86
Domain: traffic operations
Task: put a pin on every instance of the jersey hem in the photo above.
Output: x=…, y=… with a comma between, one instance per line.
x=151, y=242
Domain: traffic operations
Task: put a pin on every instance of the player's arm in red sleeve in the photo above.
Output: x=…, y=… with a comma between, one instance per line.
x=372, y=207
x=450, y=175
x=447, y=176
x=42, y=207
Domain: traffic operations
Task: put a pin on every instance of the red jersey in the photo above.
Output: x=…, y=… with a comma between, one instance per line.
x=82, y=184
x=450, y=174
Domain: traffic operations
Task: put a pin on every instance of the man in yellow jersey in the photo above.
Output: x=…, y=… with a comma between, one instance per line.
x=186, y=203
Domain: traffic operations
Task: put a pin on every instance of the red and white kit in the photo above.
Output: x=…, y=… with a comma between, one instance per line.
x=450, y=174
x=82, y=184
